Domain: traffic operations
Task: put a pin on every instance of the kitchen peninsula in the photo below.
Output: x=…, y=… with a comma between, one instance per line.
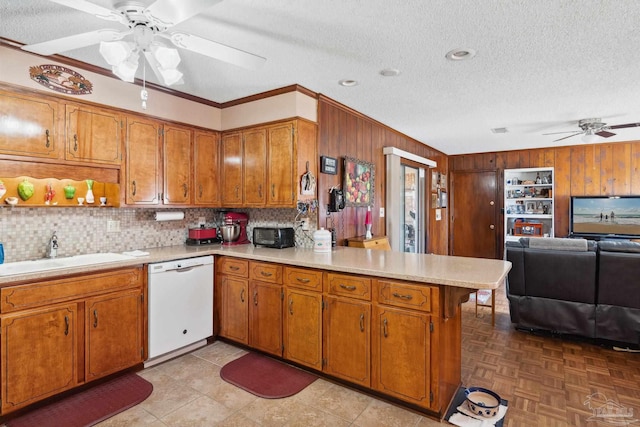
x=398, y=314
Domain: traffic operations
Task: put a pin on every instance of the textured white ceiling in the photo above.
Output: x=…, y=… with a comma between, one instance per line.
x=541, y=65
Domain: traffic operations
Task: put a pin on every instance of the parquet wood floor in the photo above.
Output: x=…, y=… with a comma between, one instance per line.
x=548, y=381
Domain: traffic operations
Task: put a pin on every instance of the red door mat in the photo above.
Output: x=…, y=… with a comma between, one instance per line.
x=265, y=377
x=90, y=406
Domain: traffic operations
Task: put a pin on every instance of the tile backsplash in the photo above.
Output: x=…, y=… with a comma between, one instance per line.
x=25, y=232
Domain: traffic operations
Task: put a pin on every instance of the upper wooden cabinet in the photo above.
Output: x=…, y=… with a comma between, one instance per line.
x=206, y=168
x=263, y=165
x=93, y=135
x=142, y=181
x=177, y=148
x=29, y=126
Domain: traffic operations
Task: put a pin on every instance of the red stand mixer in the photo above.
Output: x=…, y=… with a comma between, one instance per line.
x=234, y=228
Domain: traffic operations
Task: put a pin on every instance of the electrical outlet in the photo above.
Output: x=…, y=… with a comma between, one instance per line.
x=113, y=226
x=381, y=212
x=202, y=221
x=305, y=224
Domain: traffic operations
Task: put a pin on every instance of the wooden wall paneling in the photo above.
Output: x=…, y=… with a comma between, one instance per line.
x=501, y=161
x=577, y=170
x=513, y=160
x=525, y=160
x=591, y=170
x=562, y=190
x=536, y=158
x=549, y=157
x=606, y=170
x=634, y=168
x=621, y=169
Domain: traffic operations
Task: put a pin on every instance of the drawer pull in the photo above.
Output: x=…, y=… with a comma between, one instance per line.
x=242, y=295
x=303, y=280
x=384, y=328
x=361, y=322
x=255, y=297
x=291, y=306
x=133, y=184
x=407, y=297
x=48, y=139
x=348, y=287
x=95, y=318
x=266, y=274
x=66, y=325
x=234, y=267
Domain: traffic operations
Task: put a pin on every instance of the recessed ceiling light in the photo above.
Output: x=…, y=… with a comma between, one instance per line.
x=390, y=72
x=460, y=54
x=348, y=82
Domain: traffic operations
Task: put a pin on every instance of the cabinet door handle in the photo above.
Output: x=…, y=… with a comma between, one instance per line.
x=66, y=325
x=273, y=191
x=237, y=191
x=266, y=274
x=407, y=297
x=260, y=190
x=348, y=287
x=384, y=328
x=242, y=295
x=133, y=183
x=186, y=189
x=255, y=297
x=200, y=190
x=361, y=322
x=95, y=318
x=291, y=306
x=303, y=280
x=48, y=139
x=75, y=142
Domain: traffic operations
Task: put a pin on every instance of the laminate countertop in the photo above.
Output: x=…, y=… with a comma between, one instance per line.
x=462, y=272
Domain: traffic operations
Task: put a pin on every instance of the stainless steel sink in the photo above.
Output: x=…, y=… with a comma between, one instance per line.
x=24, y=267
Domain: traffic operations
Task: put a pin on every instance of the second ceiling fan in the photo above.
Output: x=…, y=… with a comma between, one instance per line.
x=590, y=129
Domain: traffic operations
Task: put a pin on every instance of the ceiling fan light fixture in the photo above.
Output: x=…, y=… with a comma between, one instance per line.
x=167, y=57
x=170, y=76
x=126, y=70
x=115, y=52
x=589, y=137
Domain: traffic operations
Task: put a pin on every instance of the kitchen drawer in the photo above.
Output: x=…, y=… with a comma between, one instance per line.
x=233, y=266
x=37, y=294
x=266, y=272
x=400, y=294
x=348, y=286
x=303, y=278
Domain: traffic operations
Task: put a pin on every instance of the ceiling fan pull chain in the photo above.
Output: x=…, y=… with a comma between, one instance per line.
x=143, y=93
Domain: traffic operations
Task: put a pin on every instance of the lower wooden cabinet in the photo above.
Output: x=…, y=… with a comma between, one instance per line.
x=265, y=317
x=234, y=318
x=347, y=342
x=302, y=333
x=39, y=354
x=49, y=328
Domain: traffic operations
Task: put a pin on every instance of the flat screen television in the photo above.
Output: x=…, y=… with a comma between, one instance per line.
x=605, y=217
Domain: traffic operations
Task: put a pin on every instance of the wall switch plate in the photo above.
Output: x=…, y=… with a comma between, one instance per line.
x=438, y=214
x=381, y=212
x=304, y=223
x=113, y=226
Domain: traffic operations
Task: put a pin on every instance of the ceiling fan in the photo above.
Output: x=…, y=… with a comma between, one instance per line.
x=150, y=30
x=591, y=129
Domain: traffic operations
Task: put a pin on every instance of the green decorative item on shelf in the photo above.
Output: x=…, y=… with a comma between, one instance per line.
x=89, y=197
x=25, y=190
x=69, y=191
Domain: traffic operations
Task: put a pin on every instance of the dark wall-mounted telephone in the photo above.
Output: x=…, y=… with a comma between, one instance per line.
x=336, y=200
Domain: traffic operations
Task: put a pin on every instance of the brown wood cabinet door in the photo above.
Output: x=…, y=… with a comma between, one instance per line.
x=281, y=157
x=401, y=354
x=206, y=174
x=39, y=353
x=255, y=164
x=93, y=135
x=265, y=317
x=347, y=342
x=235, y=317
x=177, y=165
x=474, y=213
x=303, y=328
x=143, y=162
x=30, y=126
x=113, y=333
x=231, y=169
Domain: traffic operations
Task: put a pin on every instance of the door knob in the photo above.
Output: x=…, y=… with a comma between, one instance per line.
x=492, y=226
x=492, y=203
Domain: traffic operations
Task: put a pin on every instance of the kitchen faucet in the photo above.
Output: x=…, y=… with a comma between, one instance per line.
x=53, y=246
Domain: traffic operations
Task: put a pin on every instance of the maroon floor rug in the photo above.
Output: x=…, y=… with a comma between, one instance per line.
x=265, y=377
x=90, y=406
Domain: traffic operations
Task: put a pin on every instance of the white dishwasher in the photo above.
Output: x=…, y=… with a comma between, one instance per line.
x=180, y=295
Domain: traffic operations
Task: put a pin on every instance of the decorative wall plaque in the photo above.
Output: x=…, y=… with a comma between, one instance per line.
x=61, y=79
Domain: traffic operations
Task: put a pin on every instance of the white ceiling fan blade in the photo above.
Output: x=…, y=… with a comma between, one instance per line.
x=74, y=42
x=94, y=9
x=216, y=50
x=168, y=77
x=172, y=12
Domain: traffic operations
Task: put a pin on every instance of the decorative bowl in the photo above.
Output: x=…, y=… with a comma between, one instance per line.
x=11, y=200
x=482, y=402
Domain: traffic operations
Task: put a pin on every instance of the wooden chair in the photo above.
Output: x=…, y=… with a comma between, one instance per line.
x=492, y=305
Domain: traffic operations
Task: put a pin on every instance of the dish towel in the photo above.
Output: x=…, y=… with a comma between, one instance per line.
x=466, y=418
x=136, y=253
